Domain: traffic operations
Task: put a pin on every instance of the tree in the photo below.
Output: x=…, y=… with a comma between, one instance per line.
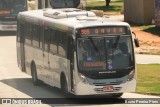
x=107, y=2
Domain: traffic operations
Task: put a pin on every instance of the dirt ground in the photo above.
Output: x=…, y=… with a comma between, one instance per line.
x=149, y=43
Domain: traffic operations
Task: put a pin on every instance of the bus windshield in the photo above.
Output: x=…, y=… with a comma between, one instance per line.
x=106, y=53
x=12, y=6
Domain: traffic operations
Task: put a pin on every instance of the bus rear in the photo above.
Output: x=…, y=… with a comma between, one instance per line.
x=8, y=13
x=105, y=61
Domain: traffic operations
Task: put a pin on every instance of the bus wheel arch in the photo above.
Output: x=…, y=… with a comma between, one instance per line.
x=34, y=74
x=64, y=85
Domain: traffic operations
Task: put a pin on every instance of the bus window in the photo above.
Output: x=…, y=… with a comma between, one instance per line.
x=41, y=32
x=36, y=36
x=28, y=33
x=46, y=39
x=62, y=43
x=20, y=33
x=53, y=42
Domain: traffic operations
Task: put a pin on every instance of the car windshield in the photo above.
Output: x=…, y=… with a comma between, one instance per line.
x=12, y=6
x=107, y=53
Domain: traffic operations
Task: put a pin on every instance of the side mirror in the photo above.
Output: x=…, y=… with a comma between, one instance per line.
x=136, y=41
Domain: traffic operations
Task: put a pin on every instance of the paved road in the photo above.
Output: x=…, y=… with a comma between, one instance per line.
x=148, y=59
x=15, y=84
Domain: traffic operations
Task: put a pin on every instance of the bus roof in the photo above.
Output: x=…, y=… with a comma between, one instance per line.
x=67, y=18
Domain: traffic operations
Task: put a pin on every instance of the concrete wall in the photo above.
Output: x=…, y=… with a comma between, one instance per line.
x=149, y=10
x=139, y=11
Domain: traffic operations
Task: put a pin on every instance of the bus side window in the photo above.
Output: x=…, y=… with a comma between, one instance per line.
x=46, y=39
x=20, y=32
x=35, y=35
x=53, y=42
x=28, y=32
x=40, y=32
x=62, y=43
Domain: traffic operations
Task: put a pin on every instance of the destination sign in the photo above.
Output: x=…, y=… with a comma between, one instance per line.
x=103, y=30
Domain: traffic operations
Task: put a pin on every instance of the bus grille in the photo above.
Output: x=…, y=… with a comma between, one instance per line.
x=108, y=76
x=111, y=83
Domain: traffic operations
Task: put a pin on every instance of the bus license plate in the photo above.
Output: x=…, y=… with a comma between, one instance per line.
x=108, y=88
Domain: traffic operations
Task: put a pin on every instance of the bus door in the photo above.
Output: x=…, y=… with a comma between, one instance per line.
x=70, y=55
x=46, y=55
x=53, y=59
x=20, y=47
x=37, y=40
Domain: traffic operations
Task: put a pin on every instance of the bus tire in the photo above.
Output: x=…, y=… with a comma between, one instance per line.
x=64, y=85
x=35, y=80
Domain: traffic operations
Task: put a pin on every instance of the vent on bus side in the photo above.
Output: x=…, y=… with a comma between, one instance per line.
x=66, y=13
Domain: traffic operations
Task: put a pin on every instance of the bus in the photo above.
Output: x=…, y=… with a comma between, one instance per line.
x=8, y=13
x=76, y=51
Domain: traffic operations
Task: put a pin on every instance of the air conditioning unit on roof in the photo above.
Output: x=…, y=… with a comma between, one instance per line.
x=66, y=13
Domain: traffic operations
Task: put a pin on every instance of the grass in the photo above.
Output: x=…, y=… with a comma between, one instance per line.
x=148, y=78
x=100, y=5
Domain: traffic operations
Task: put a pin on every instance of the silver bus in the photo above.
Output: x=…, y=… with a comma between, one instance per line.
x=8, y=13
x=76, y=51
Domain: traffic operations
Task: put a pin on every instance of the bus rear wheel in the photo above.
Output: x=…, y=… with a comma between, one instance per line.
x=64, y=86
x=34, y=75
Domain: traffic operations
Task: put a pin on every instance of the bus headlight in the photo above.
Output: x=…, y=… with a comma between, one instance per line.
x=131, y=75
x=83, y=78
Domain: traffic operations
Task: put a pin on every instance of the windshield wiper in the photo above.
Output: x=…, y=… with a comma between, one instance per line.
x=117, y=41
x=95, y=47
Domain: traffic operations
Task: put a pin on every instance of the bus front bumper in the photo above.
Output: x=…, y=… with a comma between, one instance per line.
x=86, y=89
